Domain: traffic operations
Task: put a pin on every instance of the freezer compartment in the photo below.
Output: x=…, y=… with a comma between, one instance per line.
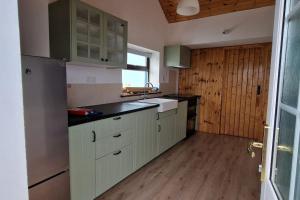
x=56, y=188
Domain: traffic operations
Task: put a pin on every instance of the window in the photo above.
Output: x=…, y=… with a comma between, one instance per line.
x=137, y=72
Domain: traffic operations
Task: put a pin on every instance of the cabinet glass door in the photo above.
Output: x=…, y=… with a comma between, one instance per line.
x=285, y=168
x=94, y=35
x=88, y=33
x=116, y=41
x=82, y=48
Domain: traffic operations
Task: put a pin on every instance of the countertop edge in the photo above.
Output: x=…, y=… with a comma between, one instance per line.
x=96, y=118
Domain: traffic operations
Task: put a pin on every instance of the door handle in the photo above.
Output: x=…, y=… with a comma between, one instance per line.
x=94, y=136
x=252, y=145
x=117, y=153
x=285, y=149
x=118, y=135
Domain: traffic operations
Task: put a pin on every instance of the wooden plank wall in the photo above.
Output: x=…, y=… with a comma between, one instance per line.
x=227, y=78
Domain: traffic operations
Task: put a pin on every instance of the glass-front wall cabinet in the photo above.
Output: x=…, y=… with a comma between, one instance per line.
x=115, y=40
x=94, y=37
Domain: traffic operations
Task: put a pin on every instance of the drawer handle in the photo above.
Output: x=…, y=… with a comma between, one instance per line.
x=116, y=136
x=94, y=136
x=117, y=153
x=117, y=118
x=159, y=128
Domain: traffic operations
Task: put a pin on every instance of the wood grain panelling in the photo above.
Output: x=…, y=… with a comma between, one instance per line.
x=211, y=8
x=205, y=78
x=233, y=83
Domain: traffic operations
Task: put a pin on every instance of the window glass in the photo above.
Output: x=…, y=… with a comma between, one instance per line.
x=136, y=74
x=133, y=78
x=137, y=60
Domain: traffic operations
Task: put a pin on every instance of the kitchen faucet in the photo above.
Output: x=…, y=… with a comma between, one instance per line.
x=149, y=84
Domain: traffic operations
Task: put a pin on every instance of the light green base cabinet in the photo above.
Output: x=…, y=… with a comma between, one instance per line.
x=166, y=130
x=172, y=127
x=81, y=33
x=82, y=162
x=146, y=137
x=104, y=152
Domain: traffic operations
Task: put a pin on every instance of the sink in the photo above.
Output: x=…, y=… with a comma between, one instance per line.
x=164, y=104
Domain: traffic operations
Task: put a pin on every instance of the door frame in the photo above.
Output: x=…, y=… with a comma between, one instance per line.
x=267, y=189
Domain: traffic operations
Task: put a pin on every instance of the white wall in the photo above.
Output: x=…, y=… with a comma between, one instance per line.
x=147, y=28
x=250, y=26
x=34, y=27
x=13, y=174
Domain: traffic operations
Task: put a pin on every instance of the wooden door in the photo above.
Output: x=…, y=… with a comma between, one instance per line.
x=245, y=90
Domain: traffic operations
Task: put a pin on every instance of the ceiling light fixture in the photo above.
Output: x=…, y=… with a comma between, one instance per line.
x=188, y=7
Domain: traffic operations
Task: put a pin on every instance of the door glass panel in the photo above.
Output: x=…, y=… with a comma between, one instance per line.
x=94, y=34
x=82, y=50
x=82, y=14
x=292, y=61
x=94, y=18
x=284, y=157
x=82, y=31
x=94, y=52
x=115, y=40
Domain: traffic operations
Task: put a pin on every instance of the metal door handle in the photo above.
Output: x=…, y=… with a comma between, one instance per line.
x=254, y=145
x=117, y=153
x=28, y=71
x=285, y=149
x=94, y=136
x=118, y=135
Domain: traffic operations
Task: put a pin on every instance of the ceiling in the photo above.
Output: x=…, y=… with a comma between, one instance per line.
x=211, y=8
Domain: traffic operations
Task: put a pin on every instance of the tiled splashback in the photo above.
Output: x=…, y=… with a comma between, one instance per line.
x=93, y=94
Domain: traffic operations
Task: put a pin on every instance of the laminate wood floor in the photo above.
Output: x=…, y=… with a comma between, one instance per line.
x=203, y=167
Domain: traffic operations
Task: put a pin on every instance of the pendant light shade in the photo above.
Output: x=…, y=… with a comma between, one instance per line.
x=188, y=7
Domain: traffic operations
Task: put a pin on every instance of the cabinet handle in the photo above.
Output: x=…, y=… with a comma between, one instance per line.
x=102, y=59
x=117, y=153
x=122, y=25
x=28, y=71
x=117, y=118
x=106, y=60
x=94, y=136
x=116, y=136
x=157, y=116
x=159, y=128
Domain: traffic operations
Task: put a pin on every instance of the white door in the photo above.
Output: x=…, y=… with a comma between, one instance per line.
x=281, y=173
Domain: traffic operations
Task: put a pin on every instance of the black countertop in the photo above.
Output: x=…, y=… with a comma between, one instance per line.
x=181, y=97
x=110, y=110
x=121, y=108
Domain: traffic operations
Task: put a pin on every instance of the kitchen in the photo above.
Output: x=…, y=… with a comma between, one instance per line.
x=167, y=99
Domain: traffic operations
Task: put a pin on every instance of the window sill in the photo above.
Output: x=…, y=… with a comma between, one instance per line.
x=137, y=94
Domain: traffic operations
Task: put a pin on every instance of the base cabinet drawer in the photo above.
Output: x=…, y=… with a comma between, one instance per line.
x=113, y=142
x=112, y=168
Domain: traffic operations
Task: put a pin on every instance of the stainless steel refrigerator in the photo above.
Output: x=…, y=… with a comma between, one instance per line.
x=46, y=128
